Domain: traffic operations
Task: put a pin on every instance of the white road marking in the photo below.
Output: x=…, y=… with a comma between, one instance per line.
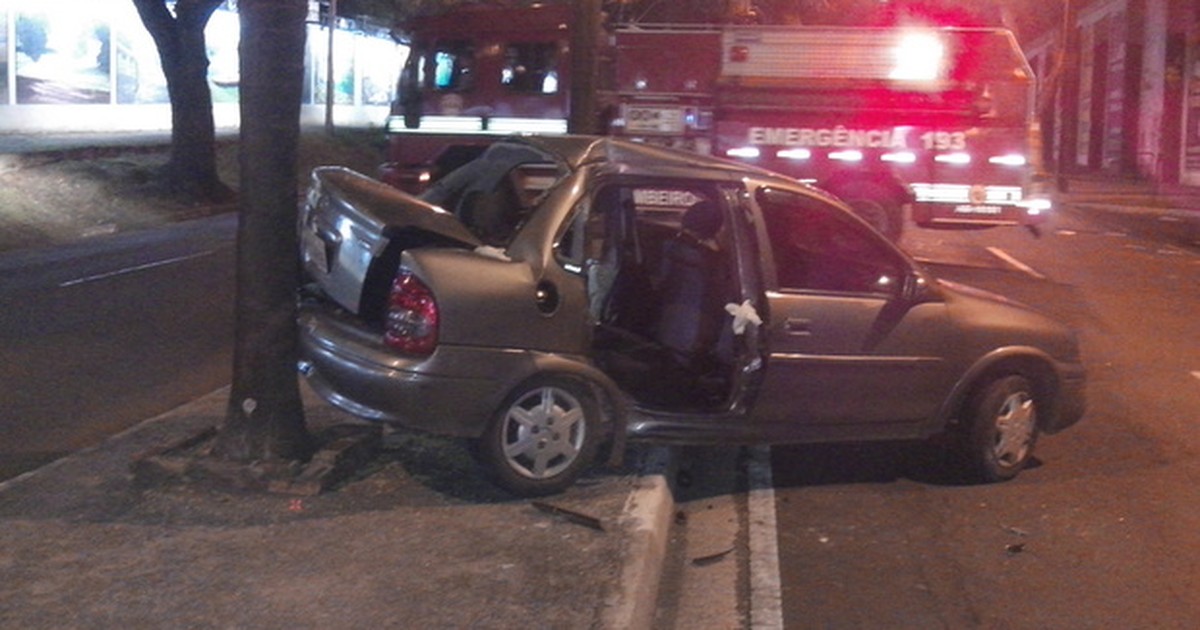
x=125, y=270
x=1006, y=257
x=766, y=597
x=1196, y=373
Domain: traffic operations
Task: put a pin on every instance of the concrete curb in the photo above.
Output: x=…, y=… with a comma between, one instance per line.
x=646, y=520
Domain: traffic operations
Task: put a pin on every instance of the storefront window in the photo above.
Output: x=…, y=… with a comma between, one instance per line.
x=343, y=65
x=63, y=55
x=383, y=62
x=139, y=72
x=3, y=54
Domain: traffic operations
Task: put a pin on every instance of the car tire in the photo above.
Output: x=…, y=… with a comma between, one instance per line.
x=542, y=437
x=1001, y=430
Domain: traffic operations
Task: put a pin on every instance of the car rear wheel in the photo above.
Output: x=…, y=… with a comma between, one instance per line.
x=542, y=437
x=1002, y=429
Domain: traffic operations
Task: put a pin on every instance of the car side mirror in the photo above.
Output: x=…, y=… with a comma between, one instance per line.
x=920, y=287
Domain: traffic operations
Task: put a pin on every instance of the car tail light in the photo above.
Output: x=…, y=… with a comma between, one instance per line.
x=411, y=326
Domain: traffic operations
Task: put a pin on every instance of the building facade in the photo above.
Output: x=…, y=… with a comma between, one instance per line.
x=1122, y=98
x=90, y=65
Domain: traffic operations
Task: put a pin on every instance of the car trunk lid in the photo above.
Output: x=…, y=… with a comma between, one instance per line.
x=354, y=228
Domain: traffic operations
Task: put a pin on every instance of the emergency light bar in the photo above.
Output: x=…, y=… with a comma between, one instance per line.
x=902, y=157
x=1008, y=160
x=848, y=155
x=747, y=153
x=794, y=154
x=918, y=58
x=834, y=53
x=953, y=158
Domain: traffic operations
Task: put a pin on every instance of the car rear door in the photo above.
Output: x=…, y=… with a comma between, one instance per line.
x=849, y=354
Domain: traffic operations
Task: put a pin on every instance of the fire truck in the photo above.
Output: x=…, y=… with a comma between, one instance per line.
x=939, y=120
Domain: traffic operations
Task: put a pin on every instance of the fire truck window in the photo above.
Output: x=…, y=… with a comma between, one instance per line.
x=531, y=68
x=448, y=67
x=818, y=247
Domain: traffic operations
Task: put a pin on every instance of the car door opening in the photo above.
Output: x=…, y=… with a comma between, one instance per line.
x=661, y=279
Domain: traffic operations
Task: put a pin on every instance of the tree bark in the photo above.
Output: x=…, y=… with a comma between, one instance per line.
x=182, y=51
x=264, y=419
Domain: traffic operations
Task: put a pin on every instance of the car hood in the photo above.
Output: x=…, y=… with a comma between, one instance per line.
x=353, y=229
x=989, y=321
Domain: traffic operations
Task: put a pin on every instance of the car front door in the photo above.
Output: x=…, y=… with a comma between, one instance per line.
x=850, y=354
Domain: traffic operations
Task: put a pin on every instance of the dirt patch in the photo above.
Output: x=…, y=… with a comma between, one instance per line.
x=65, y=196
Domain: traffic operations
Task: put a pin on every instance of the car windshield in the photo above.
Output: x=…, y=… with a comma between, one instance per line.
x=493, y=194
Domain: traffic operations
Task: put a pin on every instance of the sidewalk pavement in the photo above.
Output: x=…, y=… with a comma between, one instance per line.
x=417, y=540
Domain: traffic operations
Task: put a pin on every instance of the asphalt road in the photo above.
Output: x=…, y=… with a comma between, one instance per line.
x=1101, y=532
x=101, y=334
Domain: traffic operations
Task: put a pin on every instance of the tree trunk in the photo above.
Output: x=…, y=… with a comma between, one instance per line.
x=182, y=51
x=265, y=416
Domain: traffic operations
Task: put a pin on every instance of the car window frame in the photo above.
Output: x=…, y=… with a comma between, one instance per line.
x=844, y=217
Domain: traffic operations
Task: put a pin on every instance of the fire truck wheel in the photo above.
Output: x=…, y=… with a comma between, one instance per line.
x=872, y=204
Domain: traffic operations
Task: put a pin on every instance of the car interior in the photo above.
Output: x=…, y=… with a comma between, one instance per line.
x=659, y=282
x=494, y=194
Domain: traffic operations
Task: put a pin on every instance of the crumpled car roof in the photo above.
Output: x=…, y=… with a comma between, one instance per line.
x=576, y=151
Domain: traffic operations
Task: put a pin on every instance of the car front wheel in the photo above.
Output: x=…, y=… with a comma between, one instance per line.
x=542, y=437
x=1001, y=431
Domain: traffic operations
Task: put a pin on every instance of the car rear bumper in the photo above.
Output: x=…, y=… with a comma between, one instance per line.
x=452, y=392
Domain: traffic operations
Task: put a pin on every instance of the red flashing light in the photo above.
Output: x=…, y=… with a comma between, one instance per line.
x=918, y=57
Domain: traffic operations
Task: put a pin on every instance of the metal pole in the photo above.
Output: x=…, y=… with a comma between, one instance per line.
x=1064, y=77
x=329, y=91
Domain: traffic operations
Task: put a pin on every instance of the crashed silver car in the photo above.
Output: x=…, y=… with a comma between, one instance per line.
x=559, y=293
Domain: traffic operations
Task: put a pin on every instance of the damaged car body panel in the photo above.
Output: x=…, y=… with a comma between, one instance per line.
x=559, y=292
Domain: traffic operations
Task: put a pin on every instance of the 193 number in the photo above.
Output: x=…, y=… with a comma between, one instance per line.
x=945, y=140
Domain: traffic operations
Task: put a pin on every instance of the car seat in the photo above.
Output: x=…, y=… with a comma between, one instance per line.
x=691, y=286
